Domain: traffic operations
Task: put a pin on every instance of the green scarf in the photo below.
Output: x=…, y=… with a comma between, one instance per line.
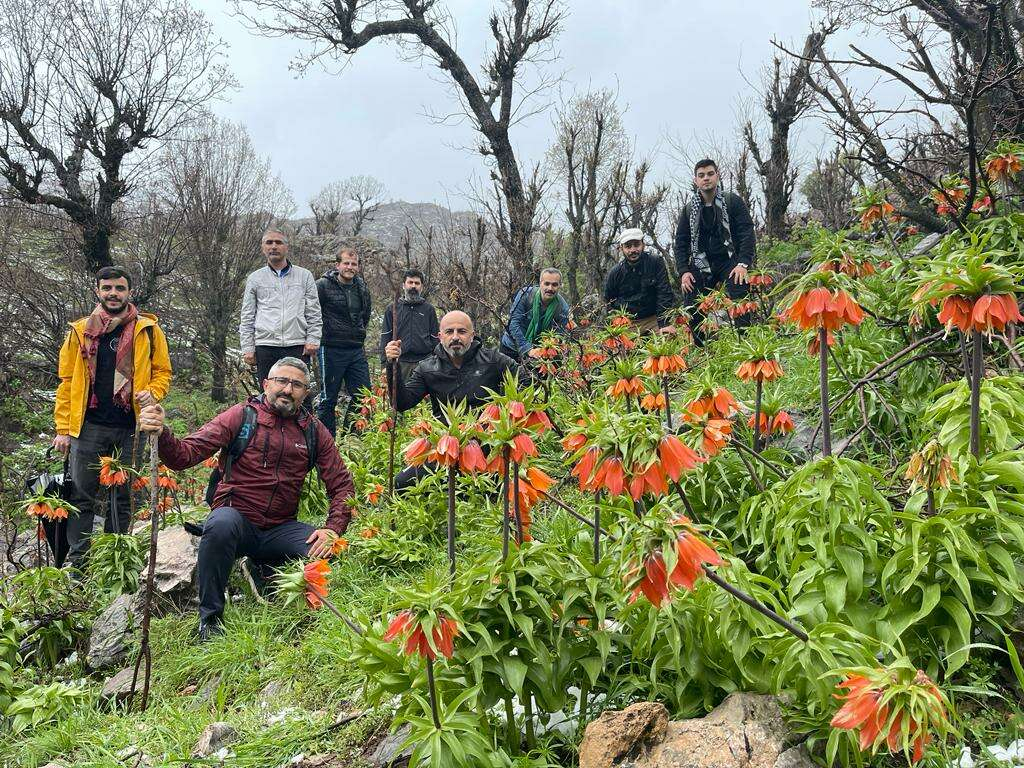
x=538, y=326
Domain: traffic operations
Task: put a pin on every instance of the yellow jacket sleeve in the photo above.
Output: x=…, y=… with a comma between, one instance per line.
x=65, y=370
x=160, y=378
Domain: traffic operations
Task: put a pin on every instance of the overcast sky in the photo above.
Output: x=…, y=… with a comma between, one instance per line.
x=678, y=66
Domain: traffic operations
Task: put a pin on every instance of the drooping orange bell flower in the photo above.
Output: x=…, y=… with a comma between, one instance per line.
x=407, y=626
x=782, y=423
x=664, y=364
x=719, y=405
x=418, y=451
x=993, y=312
x=522, y=447
x=676, y=456
x=111, y=474
x=692, y=554
x=471, y=458
x=716, y=435
x=447, y=451
x=584, y=469
x=340, y=545
x=374, y=495
x=316, y=574
x=821, y=308
x=1003, y=166
x=653, y=401
x=759, y=370
x=611, y=476
x=625, y=387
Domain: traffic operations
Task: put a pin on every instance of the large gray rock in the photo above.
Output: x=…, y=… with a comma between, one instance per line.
x=177, y=552
x=113, y=632
x=388, y=753
x=745, y=731
x=214, y=737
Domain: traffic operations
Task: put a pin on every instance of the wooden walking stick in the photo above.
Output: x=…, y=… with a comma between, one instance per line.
x=154, y=529
x=393, y=391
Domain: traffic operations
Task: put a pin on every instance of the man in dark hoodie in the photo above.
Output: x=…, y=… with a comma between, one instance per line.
x=345, y=307
x=417, y=325
x=715, y=244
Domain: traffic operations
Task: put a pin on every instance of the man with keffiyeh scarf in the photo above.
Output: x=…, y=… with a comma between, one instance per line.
x=714, y=244
x=108, y=360
x=536, y=309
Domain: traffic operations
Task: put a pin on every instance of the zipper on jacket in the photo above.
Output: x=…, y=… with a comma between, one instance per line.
x=277, y=476
x=266, y=445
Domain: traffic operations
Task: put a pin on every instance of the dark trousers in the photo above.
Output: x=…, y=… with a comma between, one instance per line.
x=509, y=352
x=412, y=475
x=94, y=441
x=267, y=356
x=228, y=535
x=703, y=285
x=340, y=365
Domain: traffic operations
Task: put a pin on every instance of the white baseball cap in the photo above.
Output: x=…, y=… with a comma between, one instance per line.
x=634, y=233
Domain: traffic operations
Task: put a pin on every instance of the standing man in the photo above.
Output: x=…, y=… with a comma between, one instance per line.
x=639, y=284
x=460, y=369
x=255, y=503
x=417, y=325
x=280, y=310
x=109, y=359
x=721, y=251
x=345, y=302
x=536, y=309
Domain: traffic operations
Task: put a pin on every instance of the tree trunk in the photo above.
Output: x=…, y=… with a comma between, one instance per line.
x=219, y=360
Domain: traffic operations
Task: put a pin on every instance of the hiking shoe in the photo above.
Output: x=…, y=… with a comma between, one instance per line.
x=208, y=630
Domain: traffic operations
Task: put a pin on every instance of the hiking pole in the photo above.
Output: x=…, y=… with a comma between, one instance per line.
x=393, y=391
x=154, y=528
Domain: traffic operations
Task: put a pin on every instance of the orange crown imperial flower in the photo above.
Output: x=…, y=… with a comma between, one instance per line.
x=112, y=474
x=409, y=627
x=692, y=553
x=315, y=574
x=759, y=370
x=823, y=308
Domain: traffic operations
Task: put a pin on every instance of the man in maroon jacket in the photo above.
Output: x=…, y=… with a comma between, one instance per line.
x=254, y=507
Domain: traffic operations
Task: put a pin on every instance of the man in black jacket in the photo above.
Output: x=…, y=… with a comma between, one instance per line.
x=417, y=325
x=345, y=306
x=639, y=284
x=460, y=369
x=723, y=250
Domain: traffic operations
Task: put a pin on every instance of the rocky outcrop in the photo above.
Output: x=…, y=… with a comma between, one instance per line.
x=113, y=632
x=214, y=737
x=745, y=731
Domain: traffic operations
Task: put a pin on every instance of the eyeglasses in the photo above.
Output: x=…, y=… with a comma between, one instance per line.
x=273, y=242
x=284, y=381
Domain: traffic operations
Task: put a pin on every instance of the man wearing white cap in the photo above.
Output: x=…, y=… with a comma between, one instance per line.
x=639, y=284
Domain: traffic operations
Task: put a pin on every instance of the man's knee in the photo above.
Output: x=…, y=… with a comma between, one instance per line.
x=224, y=524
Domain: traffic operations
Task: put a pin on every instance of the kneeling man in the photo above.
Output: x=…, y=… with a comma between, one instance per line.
x=256, y=500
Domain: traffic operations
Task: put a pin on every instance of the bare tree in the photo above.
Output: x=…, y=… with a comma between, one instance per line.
x=962, y=86
x=354, y=200
x=786, y=98
x=226, y=196
x=828, y=188
x=522, y=31
x=589, y=148
x=85, y=85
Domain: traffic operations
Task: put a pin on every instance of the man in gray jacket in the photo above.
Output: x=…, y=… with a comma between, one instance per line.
x=280, y=309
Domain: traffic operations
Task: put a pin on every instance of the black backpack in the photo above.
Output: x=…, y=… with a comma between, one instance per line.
x=241, y=440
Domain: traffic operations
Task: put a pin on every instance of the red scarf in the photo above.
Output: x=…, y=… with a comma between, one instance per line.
x=101, y=322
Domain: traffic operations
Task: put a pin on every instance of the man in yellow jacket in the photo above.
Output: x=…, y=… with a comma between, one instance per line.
x=108, y=360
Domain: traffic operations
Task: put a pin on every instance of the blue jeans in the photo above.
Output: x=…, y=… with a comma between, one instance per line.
x=227, y=536
x=340, y=365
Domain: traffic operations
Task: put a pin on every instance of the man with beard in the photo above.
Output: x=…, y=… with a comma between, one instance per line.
x=345, y=304
x=639, y=286
x=536, y=309
x=280, y=314
x=715, y=245
x=256, y=499
x=108, y=362
x=459, y=369
x=417, y=325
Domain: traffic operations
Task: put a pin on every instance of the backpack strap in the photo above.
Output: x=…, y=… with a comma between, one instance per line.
x=241, y=440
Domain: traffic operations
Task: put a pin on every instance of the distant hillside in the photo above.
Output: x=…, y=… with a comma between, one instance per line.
x=390, y=221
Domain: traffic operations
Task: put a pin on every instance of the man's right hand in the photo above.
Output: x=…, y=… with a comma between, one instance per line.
x=151, y=419
x=393, y=350
x=62, y=443
x=686, y=281
x=250, y=358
